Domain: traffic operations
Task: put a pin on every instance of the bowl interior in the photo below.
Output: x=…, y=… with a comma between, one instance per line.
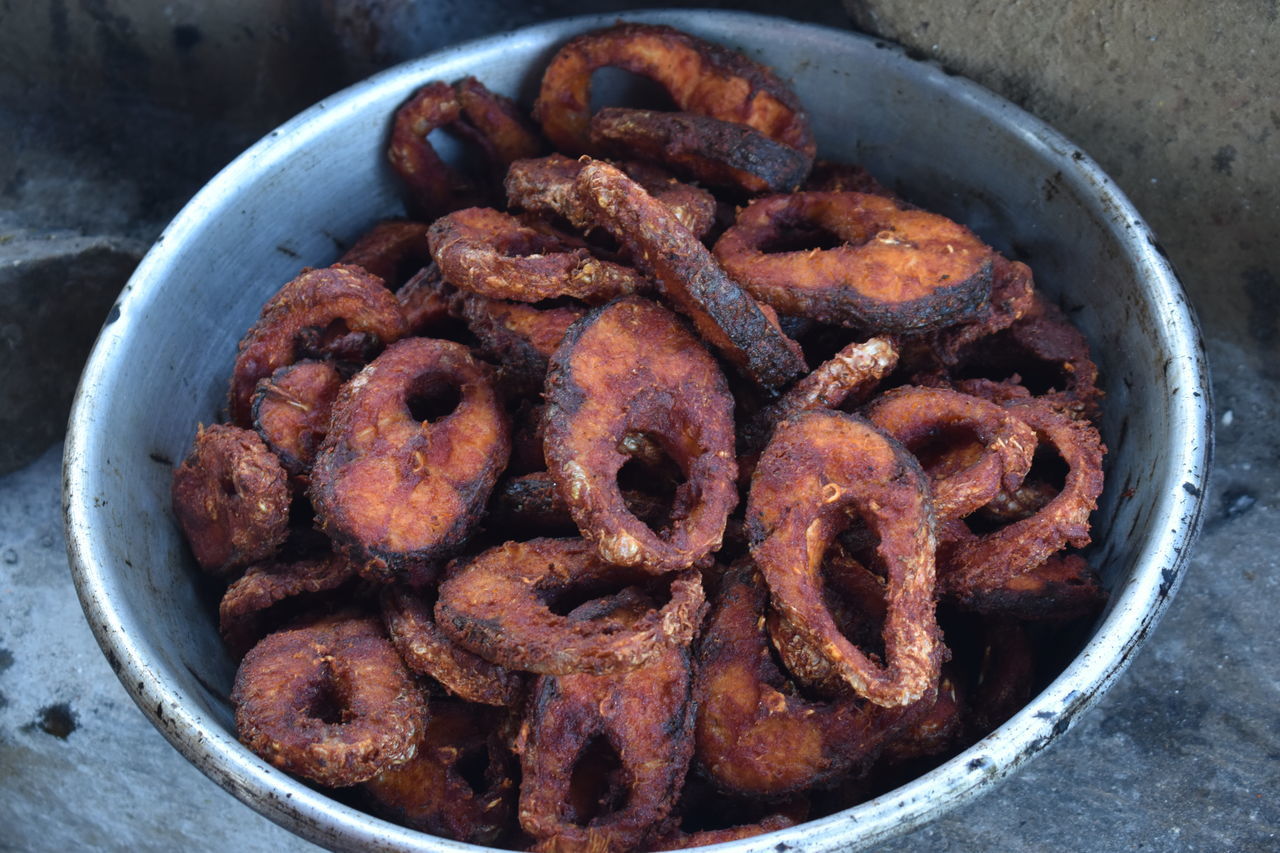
x=312, y=186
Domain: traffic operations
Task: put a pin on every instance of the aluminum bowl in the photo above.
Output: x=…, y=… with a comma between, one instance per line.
x=164, y=356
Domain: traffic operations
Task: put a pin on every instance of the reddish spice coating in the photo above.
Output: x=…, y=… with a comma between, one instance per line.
x=499, y=605
x=426, y=301
x=231, y=498
x=395, y=491
x=506, y=133
x=434, y=187
x=714, y=152
x=689, y=278
x=632, y=369
x=497, y=255
x=819, y=467
x=394, y=251
x=895, y=269
x=429, y=792
x=245, y=612
x=701, y=77
x=754, y=735
x=310, y=306
x=330, y=701
x=410, y=619
x=291, y=412
x=518, y=336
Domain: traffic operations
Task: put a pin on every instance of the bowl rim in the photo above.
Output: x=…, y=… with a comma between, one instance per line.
x=310, y=813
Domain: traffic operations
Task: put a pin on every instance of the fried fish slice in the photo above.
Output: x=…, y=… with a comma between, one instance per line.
x=291, y=412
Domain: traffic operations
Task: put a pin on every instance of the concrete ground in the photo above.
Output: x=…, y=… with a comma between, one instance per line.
x=112, y=114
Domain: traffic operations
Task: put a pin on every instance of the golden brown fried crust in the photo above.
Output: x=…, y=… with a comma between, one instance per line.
x=919, y=417
x=819, y=467
x=410, y=619
x=312, y=303
x=689, y=278
x=754, y=735
x=518, y=336
x=394, y=251
x=499, y=605
x=497, y=255
x=242, y=613
x=646, y=716
x=292, y=685
x=714, y=152
x=429, y=791
x=898, y=269
x=701, y=77
x=231, y=498
x=1064, y=586
x=992, y=559
x=291, y=412
x=546, y=185
x=395, y=491
x=631, y=369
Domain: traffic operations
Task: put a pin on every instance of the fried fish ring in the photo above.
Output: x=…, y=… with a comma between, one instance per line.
x=820, y=467
x=330, y=701
x=754, y=735
x=1064, y=586
x=430, y=792
x=632, y=368
x=396, y=490
x=690, y=279
x=646, y=717
x=714, y=152
x=410, y=619
x=505, y=131
x=500, y=605
x=231, y=498
x=994, y=558
x=895, y=270
x=426, y=300
x=546, y=185
x=434, y=187
x=497, y=255
x=291, y=412
x=316, y=302
x=921, y=417
x=532, y=504
x=700, y=76
x=394, y=250
x=1012, y=296
x=247, y=605
x=518, y=336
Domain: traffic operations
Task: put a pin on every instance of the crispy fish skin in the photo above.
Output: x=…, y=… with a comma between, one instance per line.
x=497, y=605
x=714, y=152
x=724, y=314
x=291, y=412
x=231, y=498
x=314, y=300
x=396, y=492
x=898, y=270
x=632, y=368
x=820, y=467
x=494, y=254
x=754, y=735
x=700, y=76
x=285, y=682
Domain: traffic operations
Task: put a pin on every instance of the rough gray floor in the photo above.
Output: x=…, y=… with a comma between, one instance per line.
x=1184, y=753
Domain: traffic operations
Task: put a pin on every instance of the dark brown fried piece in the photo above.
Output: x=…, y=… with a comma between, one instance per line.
x=433, y=792
x=831, y=177
x=714, y=152
x=685, y=840
x=701, y=77
x=1005, y=676
x=689, y=278
x=410, y=619
x=532, y=505
x=990, y=560
x=330, y=701
x=519, y=337
x=820, y=468
x=497, y=255
x=231, y=498
x=629, y=370
x=936, y=731
x=249, y=608
x=394, y=251
x=1064, y=586
x=505, y=131
x=503, y=606
x=291, y=412
x=546, y=185
x=397, y=483
x=705, y=815
x=426, y=300
x=889, y=268
x=573, y=797
x=930, y=421
x=755, y=735
x=319, y=308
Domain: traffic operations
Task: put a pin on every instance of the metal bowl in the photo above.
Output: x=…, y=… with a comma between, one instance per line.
x=162, y=362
